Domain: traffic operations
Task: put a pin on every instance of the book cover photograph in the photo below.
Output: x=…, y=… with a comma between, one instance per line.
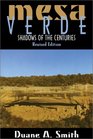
x=46, y=69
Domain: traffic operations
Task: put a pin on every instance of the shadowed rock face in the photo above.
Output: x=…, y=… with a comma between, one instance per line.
x=43, y=108
x=44, y=101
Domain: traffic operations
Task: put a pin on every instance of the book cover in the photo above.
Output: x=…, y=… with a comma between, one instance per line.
x=46, y=75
